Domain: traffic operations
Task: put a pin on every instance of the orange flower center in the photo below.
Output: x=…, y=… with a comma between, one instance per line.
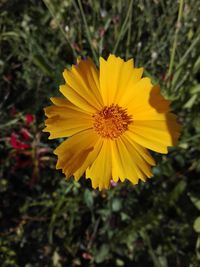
x=111, y=121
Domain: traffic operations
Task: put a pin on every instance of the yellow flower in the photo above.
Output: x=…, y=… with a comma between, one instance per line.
x=111, y=116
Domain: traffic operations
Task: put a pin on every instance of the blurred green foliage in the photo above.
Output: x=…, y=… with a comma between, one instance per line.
x=47, y=221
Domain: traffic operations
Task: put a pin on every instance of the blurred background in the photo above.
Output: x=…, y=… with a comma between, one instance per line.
x=49, y=222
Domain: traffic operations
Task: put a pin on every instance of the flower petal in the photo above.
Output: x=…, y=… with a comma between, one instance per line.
x=65, y=119
x=73, y=152
x=83, y=82
x=118, y=168
x=100, y=171
x=115, y=75
x=89, y=160
x=154, y=134
x=128, y=163
x=142, y=151
x=150, y=104
x=88, y=70
x=137, y=94
x=76, y=99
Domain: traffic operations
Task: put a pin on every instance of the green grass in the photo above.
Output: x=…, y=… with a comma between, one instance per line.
x=47, y=221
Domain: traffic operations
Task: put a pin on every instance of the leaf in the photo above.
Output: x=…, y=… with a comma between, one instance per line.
x=40, y=62
x=102, y=254
x=9, y=34
x=195, y=89
x=196, y=225
x=196, y=67
x=116, y=204
x=198, y=248
x=177, y=191
x=190, y=102
x=195, y=201
x=119, y=262
x=56, y=259
x=88, y=198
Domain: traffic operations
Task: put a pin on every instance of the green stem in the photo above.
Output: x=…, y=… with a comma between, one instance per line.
x=122, y=31
x=147, y=242
x=172, y=56
x=60, y=27
x=102, y=38
x=7, y=124
x=194, y=43
x=178, y=71
x=87, y=31
x=129, y=33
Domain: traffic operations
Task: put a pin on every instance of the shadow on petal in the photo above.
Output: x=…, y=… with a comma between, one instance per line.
x=158, y=102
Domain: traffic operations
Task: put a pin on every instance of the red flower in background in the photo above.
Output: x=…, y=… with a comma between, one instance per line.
x=25, y=134
x=22, y=162
x=27, y=150
x=16, y=143
x=29, y=118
